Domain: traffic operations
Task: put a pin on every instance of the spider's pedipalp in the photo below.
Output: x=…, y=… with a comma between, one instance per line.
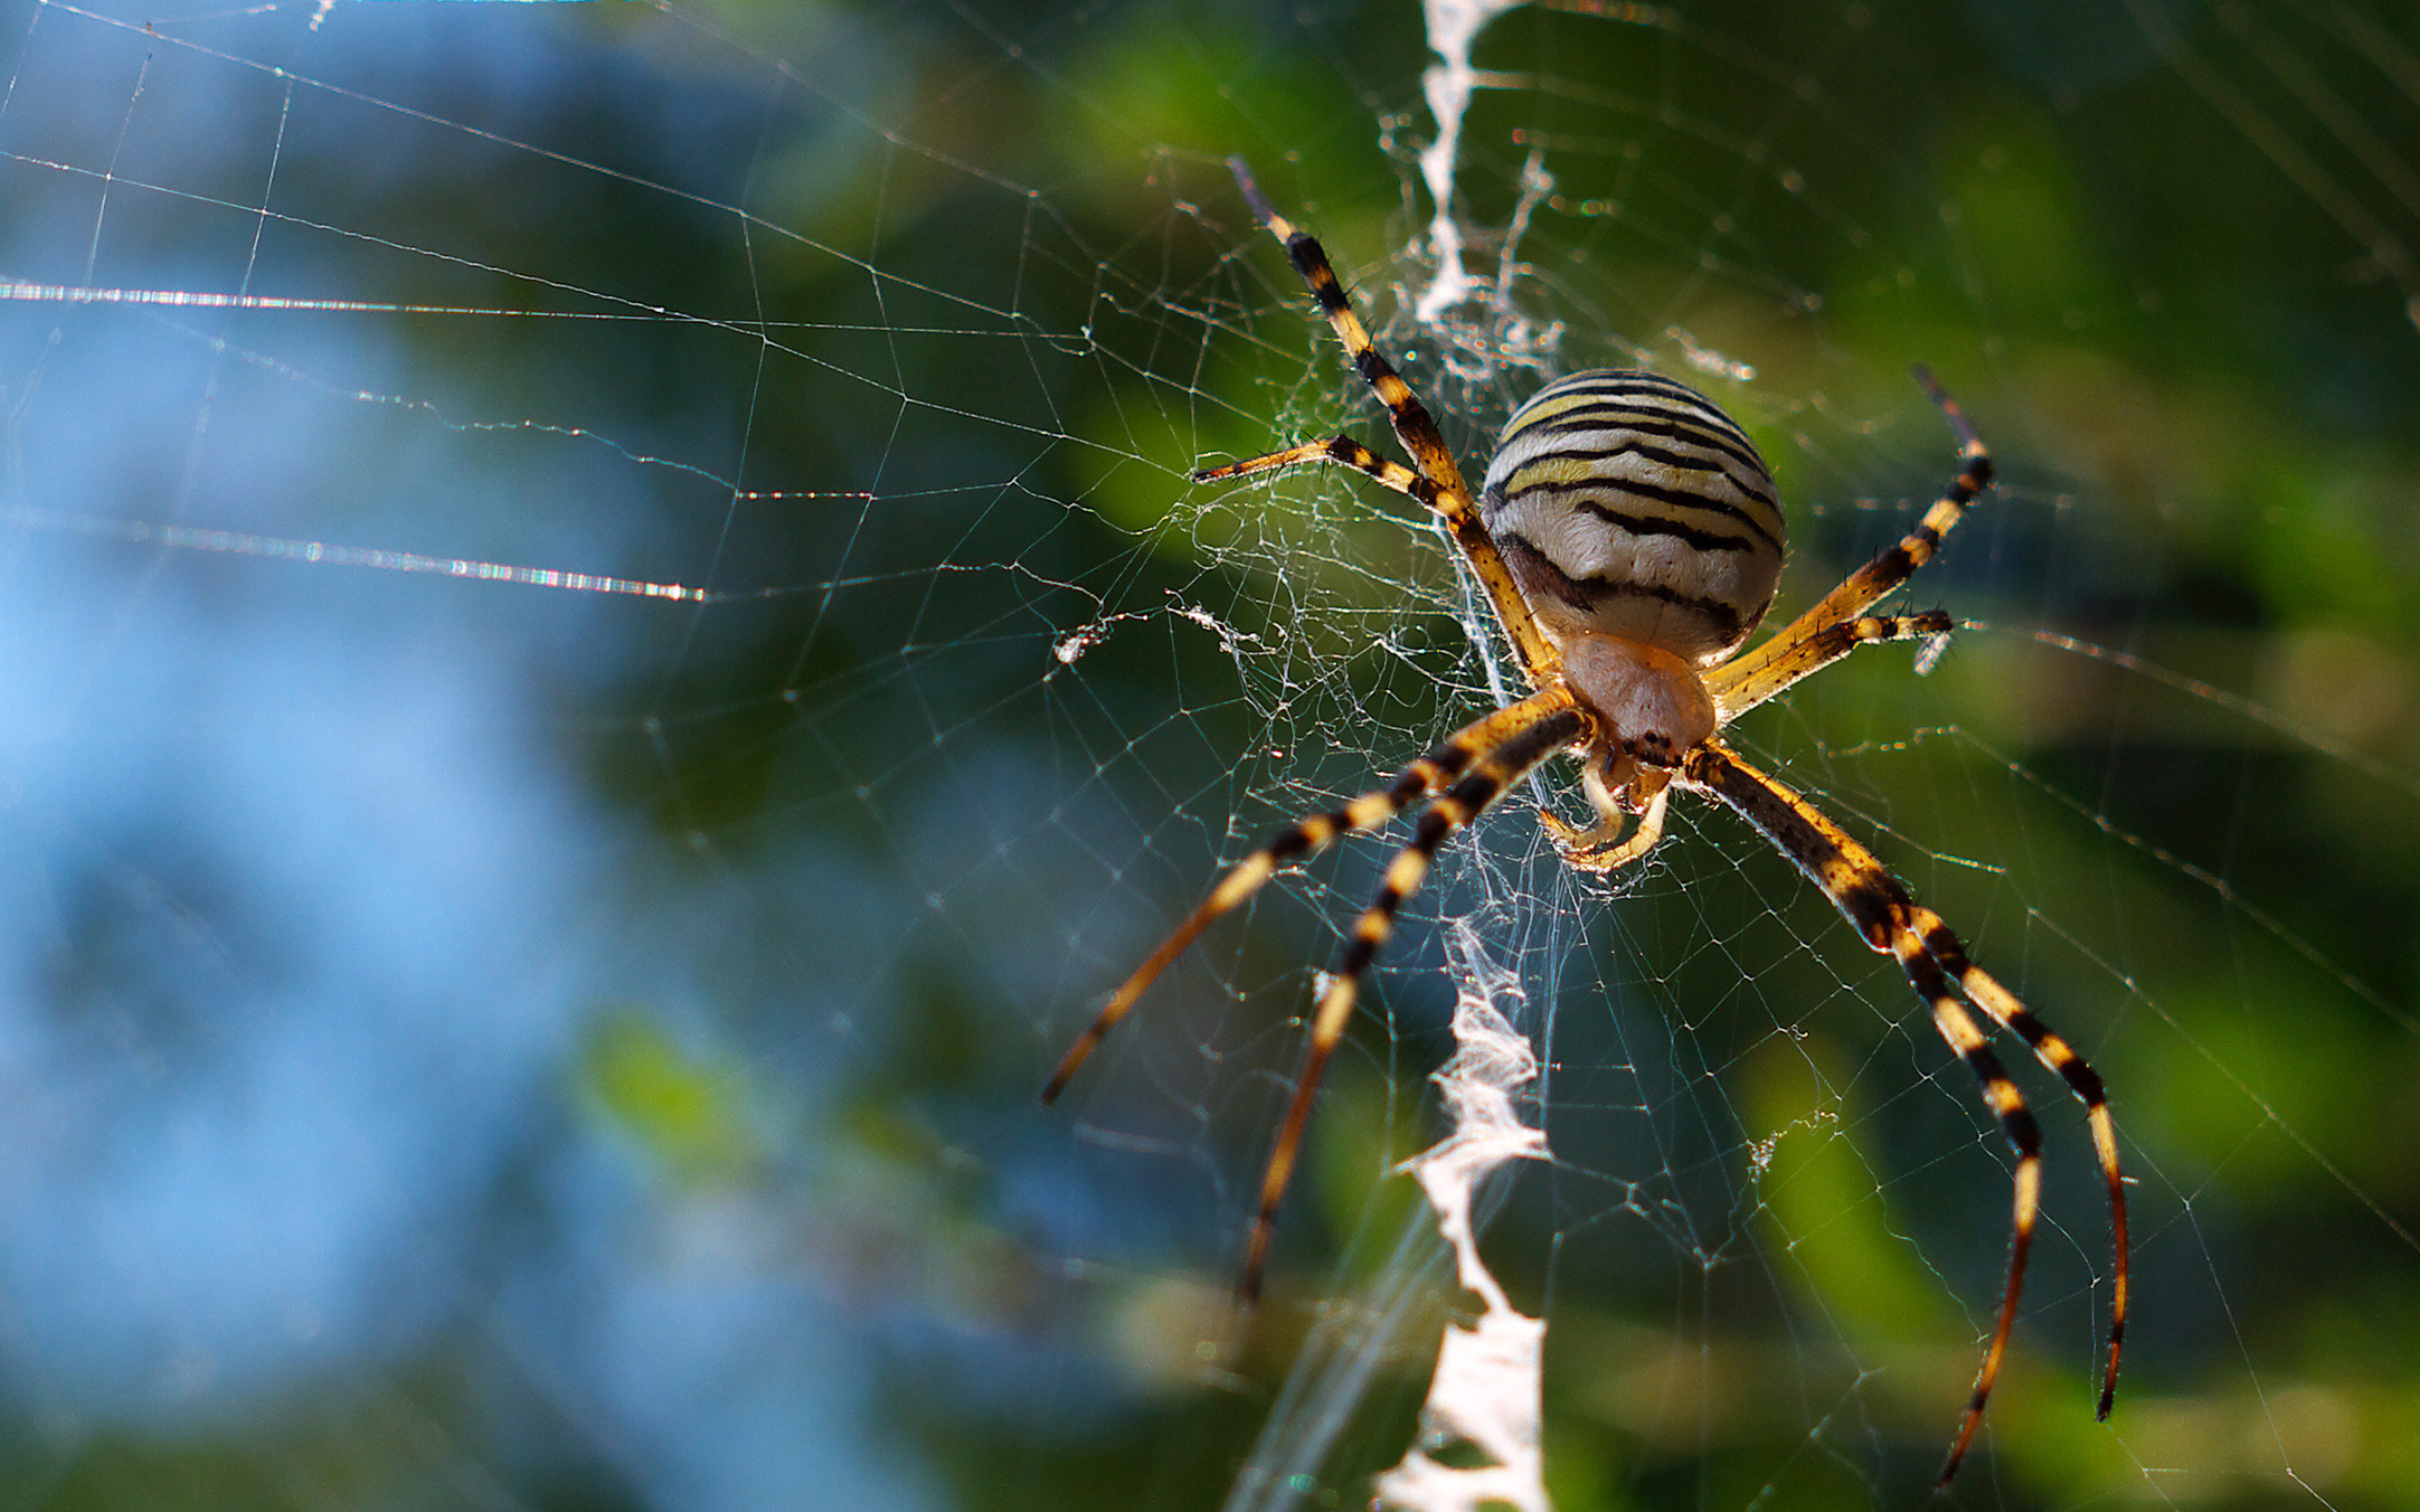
x=1611, y=856
x=1604, y=847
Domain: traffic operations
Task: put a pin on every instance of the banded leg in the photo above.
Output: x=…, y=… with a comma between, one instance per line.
x=1413, y=426
x=1863, y=587
x=1893, y=922
x=1456, y=807
x=2054, y=1052
x=1737, y=693
x=1303, y=838
x=1342, y=450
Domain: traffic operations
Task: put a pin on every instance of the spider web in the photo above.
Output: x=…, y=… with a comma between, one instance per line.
x=607, y=650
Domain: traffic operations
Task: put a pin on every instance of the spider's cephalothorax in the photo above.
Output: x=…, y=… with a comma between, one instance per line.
x=1628, y=540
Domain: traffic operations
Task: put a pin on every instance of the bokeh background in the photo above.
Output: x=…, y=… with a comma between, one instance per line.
x=499, y=1043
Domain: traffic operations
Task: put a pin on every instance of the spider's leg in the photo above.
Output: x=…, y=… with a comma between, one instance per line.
x=1413, y=426
x=1303, y=838
x=1957, y=1026
x=2054, y=1052
x=1863, y=587
x=1342, y=450
x=1738, y=687
x=1456, y=807
x=1893, y=922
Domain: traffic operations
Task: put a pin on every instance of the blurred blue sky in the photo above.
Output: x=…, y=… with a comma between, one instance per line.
x=306, y=904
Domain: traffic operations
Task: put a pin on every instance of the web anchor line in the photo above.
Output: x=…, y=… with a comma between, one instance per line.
x=284, y=548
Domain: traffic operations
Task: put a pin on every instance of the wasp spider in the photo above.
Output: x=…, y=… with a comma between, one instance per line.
x=1628, y=537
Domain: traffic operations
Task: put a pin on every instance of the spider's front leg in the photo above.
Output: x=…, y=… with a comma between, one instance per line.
x=1435, y=479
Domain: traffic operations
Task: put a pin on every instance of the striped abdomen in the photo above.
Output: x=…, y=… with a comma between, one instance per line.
x=1627, y=506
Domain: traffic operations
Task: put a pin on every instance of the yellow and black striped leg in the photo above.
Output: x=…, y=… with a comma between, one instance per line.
x=1460, y=804
x=1413, y=423
x=1413, y=426
x=1859, y=591
x=2054, y=1052
x=1896, y=564
x=1735, y=692
x=1341, y=449
x=1883, y=910
x=1303, y=838
x=1957, y=1026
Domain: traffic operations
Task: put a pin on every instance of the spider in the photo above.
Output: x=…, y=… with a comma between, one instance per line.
x=1628, y=537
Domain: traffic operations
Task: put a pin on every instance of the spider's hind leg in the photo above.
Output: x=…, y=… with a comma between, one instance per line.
x=1882, y=909
x=1552, y=725
x=1301, y=840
